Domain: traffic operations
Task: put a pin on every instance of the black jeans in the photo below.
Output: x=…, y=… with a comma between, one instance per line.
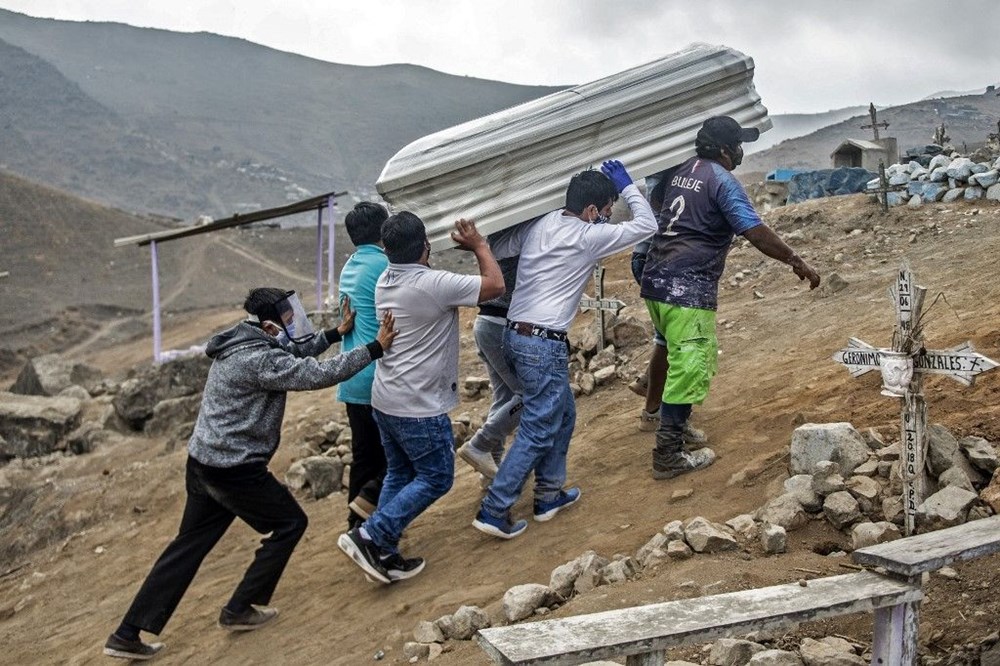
x=368, y=464
x=215, y=496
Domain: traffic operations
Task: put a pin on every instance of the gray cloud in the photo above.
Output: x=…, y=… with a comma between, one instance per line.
x=810, y=55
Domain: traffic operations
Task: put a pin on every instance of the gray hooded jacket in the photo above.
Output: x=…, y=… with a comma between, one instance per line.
x=244, y=399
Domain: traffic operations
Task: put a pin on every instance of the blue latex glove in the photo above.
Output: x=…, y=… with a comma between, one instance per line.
x=615, y=170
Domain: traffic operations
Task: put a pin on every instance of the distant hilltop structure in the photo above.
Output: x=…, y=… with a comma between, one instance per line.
x=864, y=153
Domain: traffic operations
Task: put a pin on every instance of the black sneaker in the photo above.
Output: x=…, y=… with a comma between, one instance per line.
x=248, y=620
x=137, y=650
x=400, y=568
x=365, y=554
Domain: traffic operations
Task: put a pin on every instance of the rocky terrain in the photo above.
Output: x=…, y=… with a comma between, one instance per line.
x=80, y=526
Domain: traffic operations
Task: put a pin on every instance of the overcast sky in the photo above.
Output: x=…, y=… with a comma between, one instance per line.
x=811, y=55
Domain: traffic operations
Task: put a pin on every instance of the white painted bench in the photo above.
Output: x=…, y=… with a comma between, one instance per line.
x=930, y=551
x=643, y=633
x=906, y=559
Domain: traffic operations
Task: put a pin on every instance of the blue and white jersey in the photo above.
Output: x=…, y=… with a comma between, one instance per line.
x=704, y=208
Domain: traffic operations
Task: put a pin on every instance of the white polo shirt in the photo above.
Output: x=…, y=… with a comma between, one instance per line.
x=418, y=375
x=558, y=253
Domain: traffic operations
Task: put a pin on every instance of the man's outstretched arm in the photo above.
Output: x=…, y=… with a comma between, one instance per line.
x=764, y=239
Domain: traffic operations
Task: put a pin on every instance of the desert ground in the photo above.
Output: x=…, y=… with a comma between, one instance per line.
x=99, y=520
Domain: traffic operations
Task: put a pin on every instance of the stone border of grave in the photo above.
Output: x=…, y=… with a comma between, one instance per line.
x=945, y=178
x=838, y=474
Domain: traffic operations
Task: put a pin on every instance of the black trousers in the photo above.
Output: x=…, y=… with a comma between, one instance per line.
x=368, y=465
x=215, y=496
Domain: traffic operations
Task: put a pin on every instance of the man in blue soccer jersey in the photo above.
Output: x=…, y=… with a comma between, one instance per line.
x=704, y=207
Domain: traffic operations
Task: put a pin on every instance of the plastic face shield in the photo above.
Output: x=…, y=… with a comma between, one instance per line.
x=294, y=321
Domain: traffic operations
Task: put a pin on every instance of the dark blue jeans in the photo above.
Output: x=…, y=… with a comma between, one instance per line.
x=547, y=421
x=215, y=496
x=420, y=468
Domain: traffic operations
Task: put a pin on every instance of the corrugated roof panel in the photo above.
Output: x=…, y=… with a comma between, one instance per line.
x=515, y=164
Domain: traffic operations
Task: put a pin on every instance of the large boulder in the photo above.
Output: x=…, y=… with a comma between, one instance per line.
x=784, y=510
x=945, y=508
x=980, y=453
x=50, y=374
x=173, y=412
x=147, y=387
x=838, y=442
x=322, y=475
x=33, y=425
x=521, y=601
x=705, y=536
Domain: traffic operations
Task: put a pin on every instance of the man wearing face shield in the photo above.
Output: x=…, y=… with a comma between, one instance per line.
x=237, y=432
x=703, y=208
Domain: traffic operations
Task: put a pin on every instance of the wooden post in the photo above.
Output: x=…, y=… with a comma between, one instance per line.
x=157, y=340
x=331, y=289
x=599, y=294
x=600, y=303
x=319, y=258
x=909, y=301
x=895, y=638
x=873, y=114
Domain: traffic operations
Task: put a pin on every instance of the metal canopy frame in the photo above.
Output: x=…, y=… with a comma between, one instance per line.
x=319, y=204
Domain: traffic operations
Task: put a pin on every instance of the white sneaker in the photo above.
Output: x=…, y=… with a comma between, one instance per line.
x=481, y=461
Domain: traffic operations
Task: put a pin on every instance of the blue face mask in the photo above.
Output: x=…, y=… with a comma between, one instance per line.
x=602, y=219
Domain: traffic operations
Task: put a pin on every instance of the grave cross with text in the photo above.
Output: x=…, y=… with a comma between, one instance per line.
x=599, y=303
x=903, y=367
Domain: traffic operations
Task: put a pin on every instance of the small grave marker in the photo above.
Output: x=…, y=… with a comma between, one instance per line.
x=600, y=303
x=903, y=367
x=875, y=124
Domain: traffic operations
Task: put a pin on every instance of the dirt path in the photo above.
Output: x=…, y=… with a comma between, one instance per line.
x=775, y=372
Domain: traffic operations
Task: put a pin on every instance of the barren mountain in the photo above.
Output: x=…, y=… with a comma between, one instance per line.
x=97, y=521
x=240, y=126
x=968, y=121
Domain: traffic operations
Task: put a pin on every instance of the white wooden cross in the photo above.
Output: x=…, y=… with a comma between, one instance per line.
x=961, y=363
x=599, y=303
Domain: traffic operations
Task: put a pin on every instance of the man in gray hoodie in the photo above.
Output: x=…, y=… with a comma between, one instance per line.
x=237, y=432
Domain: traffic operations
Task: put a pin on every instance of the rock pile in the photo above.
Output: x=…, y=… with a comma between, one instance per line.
x=851, y=480
x=941, y=177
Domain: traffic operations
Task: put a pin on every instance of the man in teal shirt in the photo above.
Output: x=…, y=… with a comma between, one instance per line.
x=357, y=281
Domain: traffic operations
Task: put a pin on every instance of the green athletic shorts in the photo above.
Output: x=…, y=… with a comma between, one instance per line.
x=692, y=350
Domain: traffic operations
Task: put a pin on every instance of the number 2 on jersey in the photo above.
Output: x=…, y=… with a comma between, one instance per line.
x=676, y=207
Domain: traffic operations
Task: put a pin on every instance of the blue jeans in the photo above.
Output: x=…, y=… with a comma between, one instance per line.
x=505, y=411
x=420, y=468
x=547, y=421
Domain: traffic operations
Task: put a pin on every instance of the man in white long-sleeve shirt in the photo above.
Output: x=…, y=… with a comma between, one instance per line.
x=558, y=253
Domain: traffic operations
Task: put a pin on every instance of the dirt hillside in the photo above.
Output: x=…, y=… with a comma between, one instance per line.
x=101, y=519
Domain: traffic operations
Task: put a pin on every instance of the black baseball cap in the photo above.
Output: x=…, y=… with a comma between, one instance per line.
x=724, y=131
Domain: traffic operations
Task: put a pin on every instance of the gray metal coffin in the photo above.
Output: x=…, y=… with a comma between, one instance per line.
x=514, y=165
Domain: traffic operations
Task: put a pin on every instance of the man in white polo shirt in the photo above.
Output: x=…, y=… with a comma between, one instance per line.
x=416, y=386
x=558, y=253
